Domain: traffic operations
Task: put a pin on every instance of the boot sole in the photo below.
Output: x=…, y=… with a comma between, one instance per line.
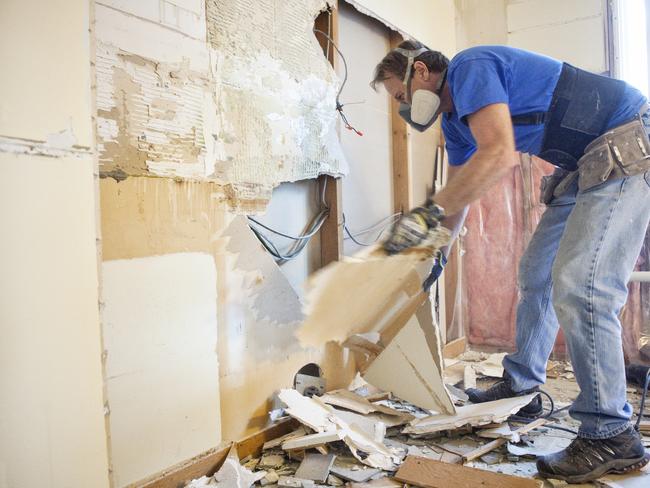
x=617, y=466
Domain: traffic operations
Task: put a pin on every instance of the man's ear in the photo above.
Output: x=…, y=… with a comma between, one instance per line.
x=422, y=70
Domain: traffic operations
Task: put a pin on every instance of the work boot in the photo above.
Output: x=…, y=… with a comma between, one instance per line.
x=503, y=389
x=588, y=459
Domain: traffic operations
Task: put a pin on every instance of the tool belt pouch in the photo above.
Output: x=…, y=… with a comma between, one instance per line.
x=621, y=152
x=549, y=184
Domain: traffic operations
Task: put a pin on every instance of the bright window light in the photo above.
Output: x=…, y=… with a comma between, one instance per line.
x=632, y=44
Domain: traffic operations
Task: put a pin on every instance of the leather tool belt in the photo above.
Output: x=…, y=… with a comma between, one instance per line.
x=622, y=151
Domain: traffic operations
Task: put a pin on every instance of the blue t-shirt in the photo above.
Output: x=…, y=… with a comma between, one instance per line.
x=484, y=75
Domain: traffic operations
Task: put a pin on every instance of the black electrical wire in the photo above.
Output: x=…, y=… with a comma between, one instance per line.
x=643, y=399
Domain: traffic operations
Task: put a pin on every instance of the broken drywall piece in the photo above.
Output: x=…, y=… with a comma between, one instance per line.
x=429, y=473
x=407, y=369
x=315, y=467
x=351, y=401
x=475, y=415
x=323, y=418
x=308, y=411
x=299, y=432
x=312, y=440
x=350, y=470
x=503, y=431
x=365, y=292
x=469, y=377
x=233, y=475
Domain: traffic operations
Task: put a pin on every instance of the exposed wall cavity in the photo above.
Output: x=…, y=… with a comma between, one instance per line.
x=238, y=93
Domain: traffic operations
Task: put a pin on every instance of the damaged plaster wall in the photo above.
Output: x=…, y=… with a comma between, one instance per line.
x=257, y=309
x=230, y=91
x=51, y=398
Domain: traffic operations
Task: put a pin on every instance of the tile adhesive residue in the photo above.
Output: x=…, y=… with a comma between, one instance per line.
x=247, y=99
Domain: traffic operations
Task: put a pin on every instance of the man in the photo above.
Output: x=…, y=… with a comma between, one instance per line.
x=496, y=100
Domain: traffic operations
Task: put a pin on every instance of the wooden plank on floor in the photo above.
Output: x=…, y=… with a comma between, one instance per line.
x=399, y=131
x=428, y=473
x=454, y=348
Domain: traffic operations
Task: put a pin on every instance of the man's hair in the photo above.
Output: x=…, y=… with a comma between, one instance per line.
x=394, y=63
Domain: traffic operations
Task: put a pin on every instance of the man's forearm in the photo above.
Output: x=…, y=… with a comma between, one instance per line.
x=482, y=171
x=454, y=223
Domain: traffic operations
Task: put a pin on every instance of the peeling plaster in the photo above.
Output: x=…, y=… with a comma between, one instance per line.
x=250, y=108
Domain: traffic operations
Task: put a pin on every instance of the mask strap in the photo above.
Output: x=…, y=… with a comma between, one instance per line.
x=410, y=54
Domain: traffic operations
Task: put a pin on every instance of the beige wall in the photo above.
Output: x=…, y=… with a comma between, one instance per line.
x=52, y=427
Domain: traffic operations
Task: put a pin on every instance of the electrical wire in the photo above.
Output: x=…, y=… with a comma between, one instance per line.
x=339, y=105
x=353, y=237
x=637, y=425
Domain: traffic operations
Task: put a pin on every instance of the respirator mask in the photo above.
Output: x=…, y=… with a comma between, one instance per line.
x=423, y=110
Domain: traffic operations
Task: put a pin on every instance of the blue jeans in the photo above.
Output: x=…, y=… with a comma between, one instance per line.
x=575, y=273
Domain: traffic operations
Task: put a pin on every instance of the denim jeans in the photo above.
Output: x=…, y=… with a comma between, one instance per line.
x=575, y=273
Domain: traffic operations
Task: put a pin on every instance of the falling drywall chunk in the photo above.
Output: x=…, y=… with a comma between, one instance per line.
x=407, y=369
x=233, y=475
x=476, y=414
x=364, y=292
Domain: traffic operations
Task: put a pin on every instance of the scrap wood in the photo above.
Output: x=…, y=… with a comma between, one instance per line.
x=502, y=431
x=454, y=348
x=360, y=344
x=428, y=473
x=474, y=414
x=491, y=446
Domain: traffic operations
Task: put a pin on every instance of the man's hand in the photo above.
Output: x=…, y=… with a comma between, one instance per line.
x=414, y=227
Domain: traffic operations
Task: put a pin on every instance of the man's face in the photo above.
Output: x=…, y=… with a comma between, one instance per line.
x=421, y=79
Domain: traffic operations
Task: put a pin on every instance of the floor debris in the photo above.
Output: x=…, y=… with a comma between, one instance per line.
x=428, y=473
x=315, y=467
x=369, y=438
x=473, y=414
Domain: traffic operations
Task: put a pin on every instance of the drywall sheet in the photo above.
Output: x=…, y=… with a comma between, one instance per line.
x=52, y=430
x=222, y=91
x=160, y=334
x=411, y=368
x=45, y=54
x=275, y=94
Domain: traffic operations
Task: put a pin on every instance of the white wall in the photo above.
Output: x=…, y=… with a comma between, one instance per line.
x=569, y=30
x=52, y=427
x=160, y=331
x=51, y=408
x=429, y=21
x=367, y=190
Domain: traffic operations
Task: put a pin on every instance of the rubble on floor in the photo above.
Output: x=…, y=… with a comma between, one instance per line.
x=366, y=438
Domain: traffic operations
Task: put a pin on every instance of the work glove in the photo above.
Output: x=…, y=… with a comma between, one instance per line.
x=439, y=263
x=414, y=227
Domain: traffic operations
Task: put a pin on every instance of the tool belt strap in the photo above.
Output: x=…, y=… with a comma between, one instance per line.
x=622, y=151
